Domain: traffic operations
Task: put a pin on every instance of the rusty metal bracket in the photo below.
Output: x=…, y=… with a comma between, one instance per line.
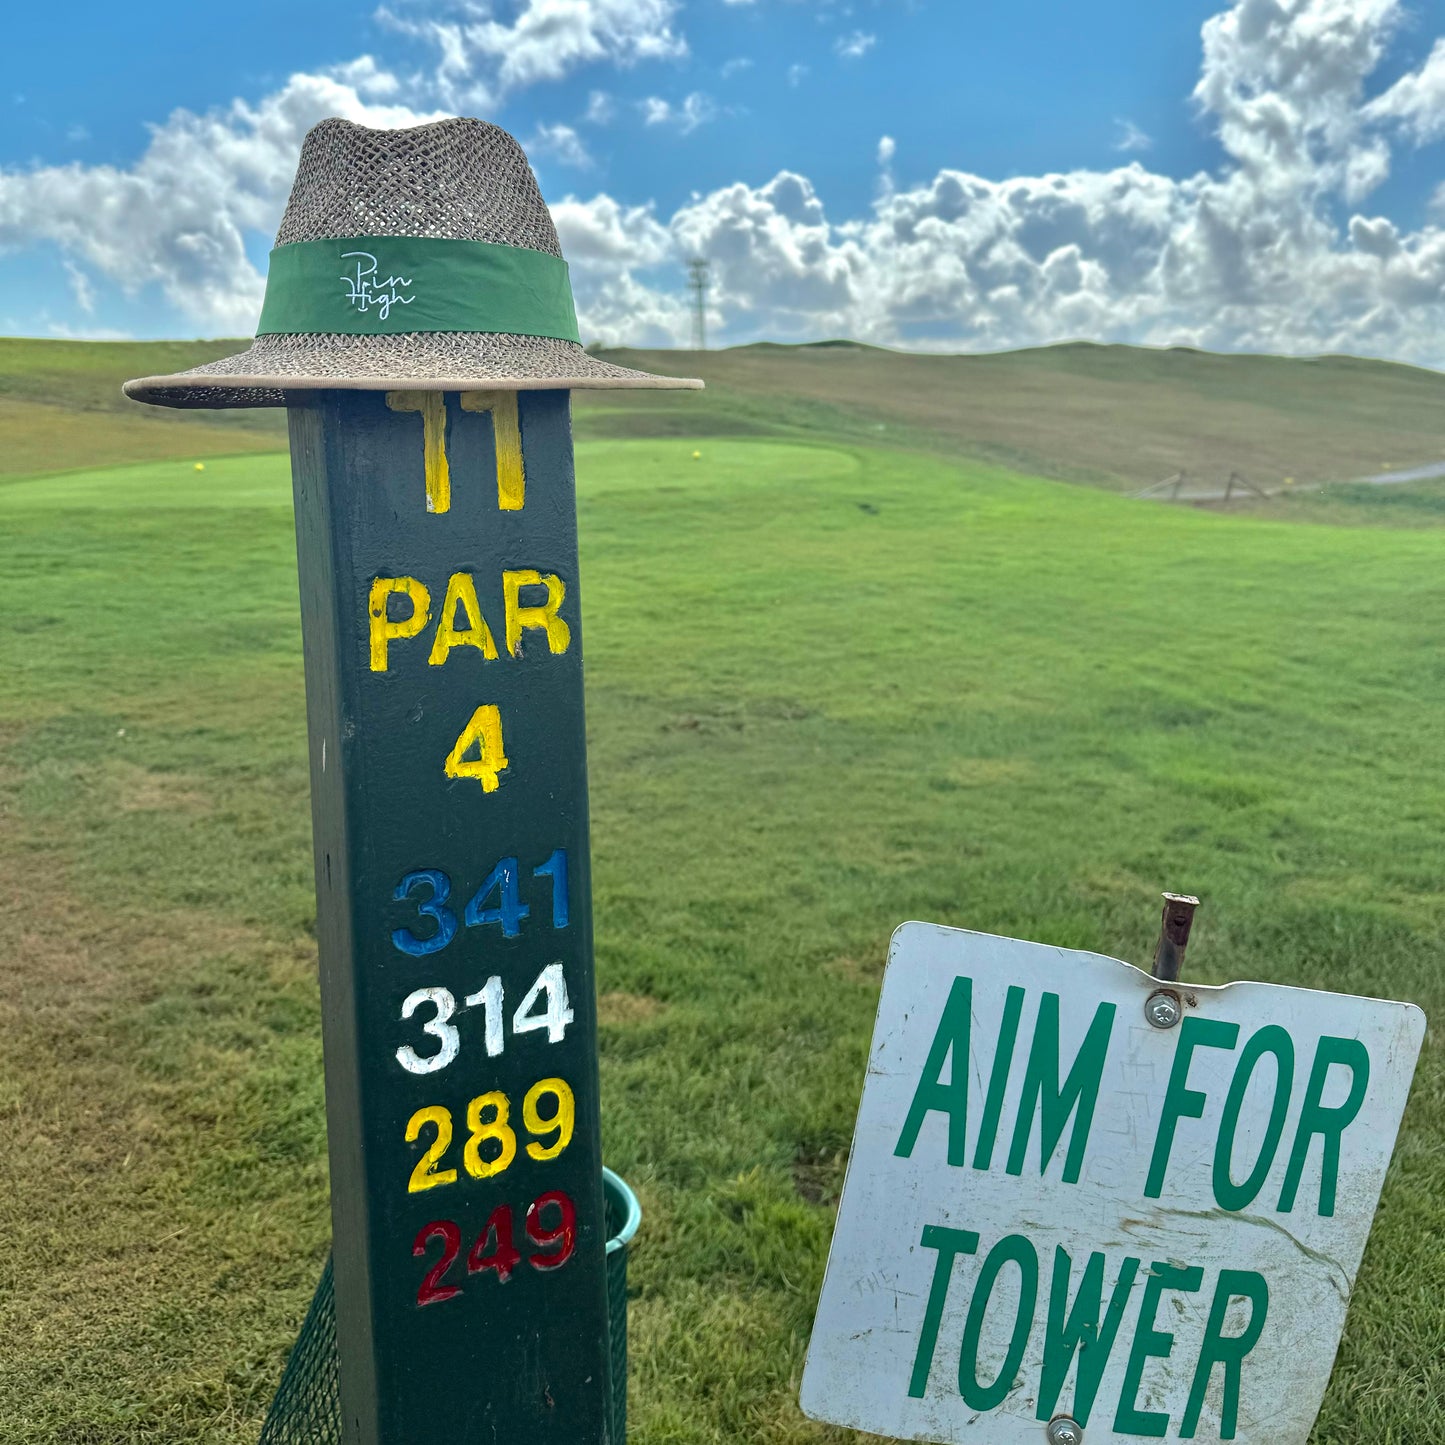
x=1174, y=929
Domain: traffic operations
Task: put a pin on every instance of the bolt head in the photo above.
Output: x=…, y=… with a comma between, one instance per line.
x=1064, y=1431
x=1162, y=1010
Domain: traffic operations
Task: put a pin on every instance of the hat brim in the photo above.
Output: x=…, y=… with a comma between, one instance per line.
x=418, y=361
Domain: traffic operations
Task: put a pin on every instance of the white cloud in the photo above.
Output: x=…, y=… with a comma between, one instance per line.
x=773, y=254
x=179, y=218
x=797, y=74
x=601, y=108
x=1276, y=249
x=481, y=59
x=605, y=234
x=697, y=109
x=560, y=142
x=887, y=149
x=1283, y=81
x=1131, y=137
x=736, y=66
x=81, y=288
x=606, y=244
x=1250, y=257
x=855, y=44
x=1417, y=100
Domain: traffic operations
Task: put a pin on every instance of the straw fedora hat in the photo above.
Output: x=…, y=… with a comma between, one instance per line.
x=408, y=258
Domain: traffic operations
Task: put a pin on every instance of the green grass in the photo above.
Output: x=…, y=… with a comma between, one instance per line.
x=1119, y=417
x=1350, y=504
x=1122, y=417
x=61, y=407
x=830, y=688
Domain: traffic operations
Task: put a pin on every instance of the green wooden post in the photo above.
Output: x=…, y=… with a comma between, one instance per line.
x=437, y=547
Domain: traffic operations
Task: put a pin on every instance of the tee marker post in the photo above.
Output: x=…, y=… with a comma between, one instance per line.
x=454, y=921
x=469, y=1285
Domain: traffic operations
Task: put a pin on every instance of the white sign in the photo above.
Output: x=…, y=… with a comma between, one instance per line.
x=1054, y=1208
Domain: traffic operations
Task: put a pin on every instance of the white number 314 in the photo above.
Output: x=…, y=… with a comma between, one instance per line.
x=530, y=1017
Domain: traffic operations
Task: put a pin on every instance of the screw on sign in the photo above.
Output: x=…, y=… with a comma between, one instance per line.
x=1162, y=1009
x=424, y=350
x=1072, y=1211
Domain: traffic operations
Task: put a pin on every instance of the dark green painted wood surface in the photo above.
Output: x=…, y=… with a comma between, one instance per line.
x=523, y=1360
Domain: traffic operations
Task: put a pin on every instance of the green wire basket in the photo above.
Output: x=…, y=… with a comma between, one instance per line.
x=307, y=1407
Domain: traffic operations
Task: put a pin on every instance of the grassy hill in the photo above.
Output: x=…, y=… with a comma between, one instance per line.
x=61, y=407
x=877, y=685
x=1113, y=416
x=1116, y=416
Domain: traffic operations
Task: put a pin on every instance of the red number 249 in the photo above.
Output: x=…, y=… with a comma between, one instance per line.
x=494, y=1249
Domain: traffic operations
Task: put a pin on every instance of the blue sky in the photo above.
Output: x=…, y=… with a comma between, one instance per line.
x=1032, y=86
x=1260, y=175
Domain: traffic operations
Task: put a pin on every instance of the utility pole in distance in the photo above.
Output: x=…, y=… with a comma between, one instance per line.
x=699, y=280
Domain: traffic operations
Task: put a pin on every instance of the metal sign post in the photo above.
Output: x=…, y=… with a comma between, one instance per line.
x=1073, y=1216
x=436, y=540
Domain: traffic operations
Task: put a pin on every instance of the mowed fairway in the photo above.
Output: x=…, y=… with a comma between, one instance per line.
x=829, y=689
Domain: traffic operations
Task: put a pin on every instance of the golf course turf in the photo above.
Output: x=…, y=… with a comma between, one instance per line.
x=831, y=686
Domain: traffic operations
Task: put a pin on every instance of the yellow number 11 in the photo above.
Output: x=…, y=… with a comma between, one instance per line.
x=506, y=433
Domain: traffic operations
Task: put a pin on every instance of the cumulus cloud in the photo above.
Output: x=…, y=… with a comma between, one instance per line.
x=697, y=109
x=1131, y=138
x=1274, y=251
x=561, y=143
x=607, y=244
x=855, y=44
x=481, y=59
x=180, y=217
x=1278, y=248
x=805, y=286
x=600, y=108
x=1416, y=101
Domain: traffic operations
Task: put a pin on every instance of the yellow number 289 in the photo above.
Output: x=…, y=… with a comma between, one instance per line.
x=491, y=1143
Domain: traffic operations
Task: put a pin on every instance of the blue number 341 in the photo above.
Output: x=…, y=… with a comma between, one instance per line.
x=431, y=889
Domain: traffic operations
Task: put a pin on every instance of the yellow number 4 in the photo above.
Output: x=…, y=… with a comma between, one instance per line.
x=484, y=732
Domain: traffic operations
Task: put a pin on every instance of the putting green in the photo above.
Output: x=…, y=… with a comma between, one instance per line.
x=265, y=480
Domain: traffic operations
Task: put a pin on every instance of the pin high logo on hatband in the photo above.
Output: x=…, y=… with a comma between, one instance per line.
x=365, y=292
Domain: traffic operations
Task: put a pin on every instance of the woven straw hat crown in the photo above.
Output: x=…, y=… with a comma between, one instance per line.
x=464, y=180
x=457, y=180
